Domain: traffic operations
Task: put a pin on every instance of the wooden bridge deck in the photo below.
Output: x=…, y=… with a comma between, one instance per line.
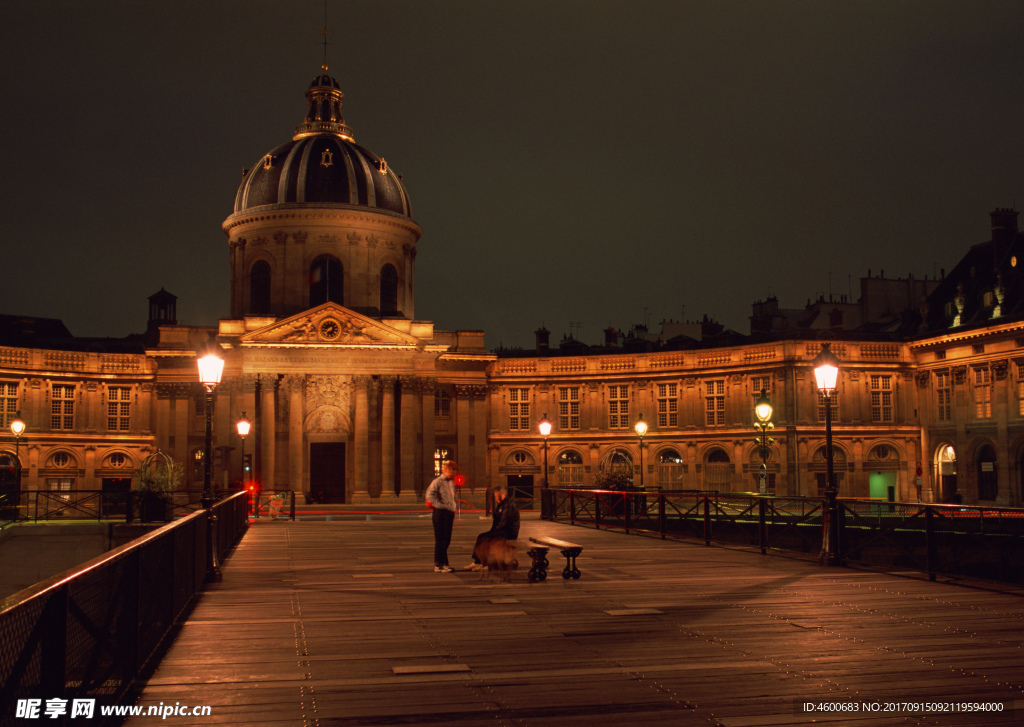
x=345, y=623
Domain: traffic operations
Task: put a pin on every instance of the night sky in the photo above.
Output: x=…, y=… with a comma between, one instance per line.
x=591, y=162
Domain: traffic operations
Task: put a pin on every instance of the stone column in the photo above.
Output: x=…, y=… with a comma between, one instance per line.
x=268, y=433
x=182, y=401
x=480, y=481
x=143, y=422
x=387, y=435
x=429, y=387
x=362, y=434
x=295, y=385
x=463, y=432
x=408, y=426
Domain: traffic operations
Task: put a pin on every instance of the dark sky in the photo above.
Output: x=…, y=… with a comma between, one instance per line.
x=569, y=161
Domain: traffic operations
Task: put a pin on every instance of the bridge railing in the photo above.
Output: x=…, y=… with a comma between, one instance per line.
x=983, y=542
x=89, y=632
x=133, y=506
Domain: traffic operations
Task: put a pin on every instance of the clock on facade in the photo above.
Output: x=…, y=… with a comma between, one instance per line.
x=329, y=329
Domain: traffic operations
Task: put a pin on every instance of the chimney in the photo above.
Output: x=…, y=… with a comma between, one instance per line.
x=542, y=334
x=611, y=337
x=1004, y=231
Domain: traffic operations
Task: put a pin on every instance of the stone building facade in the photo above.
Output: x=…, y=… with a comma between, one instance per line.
x=354, y=400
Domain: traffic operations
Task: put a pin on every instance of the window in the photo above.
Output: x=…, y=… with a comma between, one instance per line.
x=983, y=393
x=618, y=407
x=326, y=280
x=570, y=469
x=881, y=398
x=62, y=406
x=759, y=384
x=118, y=408
x=442, y=404
x=944, y=397
x=8, y=404
x=668, y=405
x=568, y=407
x=833, y=400
x=259, y=287
x=441, y=455
x=1020, y=389
x=519, y=410
x=388, y=290
x=714, y=402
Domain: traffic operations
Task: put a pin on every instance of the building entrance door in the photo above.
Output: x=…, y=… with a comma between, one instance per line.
x=521, y=488
x=327, y=471
x=115, y=495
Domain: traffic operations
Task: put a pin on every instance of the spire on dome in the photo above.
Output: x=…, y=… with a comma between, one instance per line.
x=324, y=102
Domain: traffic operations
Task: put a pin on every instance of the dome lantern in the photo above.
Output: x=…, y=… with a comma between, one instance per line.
x=323, y=115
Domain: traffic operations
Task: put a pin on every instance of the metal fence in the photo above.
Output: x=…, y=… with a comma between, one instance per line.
x=955, y=540
x=39, y=505
x=88, y=633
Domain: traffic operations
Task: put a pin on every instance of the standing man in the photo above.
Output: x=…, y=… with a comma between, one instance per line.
x=441, y=497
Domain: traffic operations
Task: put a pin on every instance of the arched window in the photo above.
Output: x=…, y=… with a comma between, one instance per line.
x=259, y=287
x=570, y=468
x=670, y=469
x=388, y=290
x=326, y=281
x=988, y=485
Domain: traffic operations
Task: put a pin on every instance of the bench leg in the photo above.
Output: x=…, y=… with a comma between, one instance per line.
x=539, y=569
x=571, y=571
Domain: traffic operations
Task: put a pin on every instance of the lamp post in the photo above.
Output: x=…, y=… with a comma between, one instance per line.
x=763, y=425
x=826, y=372
x=641, y=430
x=243, y=425
x=544, y=425
x=210, y=359
x=17, y=429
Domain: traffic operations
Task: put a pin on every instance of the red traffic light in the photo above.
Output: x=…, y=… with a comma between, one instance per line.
x=460, y=480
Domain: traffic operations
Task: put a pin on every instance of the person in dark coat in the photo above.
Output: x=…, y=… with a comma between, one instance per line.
x=504, y=524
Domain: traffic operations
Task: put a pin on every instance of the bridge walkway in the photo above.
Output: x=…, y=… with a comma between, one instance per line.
x=344, y=623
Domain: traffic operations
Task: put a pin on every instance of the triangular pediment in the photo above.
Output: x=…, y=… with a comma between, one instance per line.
x=330, y=325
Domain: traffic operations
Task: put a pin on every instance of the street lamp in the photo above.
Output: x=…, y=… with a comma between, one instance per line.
x=826, y=371
x=243, y=425
x=641, y=430
x=763, y=425
x=544, y=425
x=17, y=429
x=210, y=359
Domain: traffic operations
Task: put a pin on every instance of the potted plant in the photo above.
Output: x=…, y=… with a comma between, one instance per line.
x=156, y=479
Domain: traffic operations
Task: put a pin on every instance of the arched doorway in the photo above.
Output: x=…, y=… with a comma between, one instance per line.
x=670, y=470
x=570, y=468
x=10, y=490
x=819, y=468
x=717, y=470
x=945, y=474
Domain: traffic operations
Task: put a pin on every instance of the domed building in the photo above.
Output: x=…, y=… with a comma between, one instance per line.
x=351, y=397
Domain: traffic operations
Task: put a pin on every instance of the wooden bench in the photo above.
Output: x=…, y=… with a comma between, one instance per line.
x=539, y=551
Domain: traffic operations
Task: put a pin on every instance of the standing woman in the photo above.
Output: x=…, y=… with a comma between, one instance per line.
x=441, y=497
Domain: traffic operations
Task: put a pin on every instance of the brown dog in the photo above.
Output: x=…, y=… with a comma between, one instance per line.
x=497, y=555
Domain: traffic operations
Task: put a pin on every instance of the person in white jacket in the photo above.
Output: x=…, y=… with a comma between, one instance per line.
x=441, y=498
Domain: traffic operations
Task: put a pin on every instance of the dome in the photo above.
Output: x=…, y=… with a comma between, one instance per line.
x=322, y=164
